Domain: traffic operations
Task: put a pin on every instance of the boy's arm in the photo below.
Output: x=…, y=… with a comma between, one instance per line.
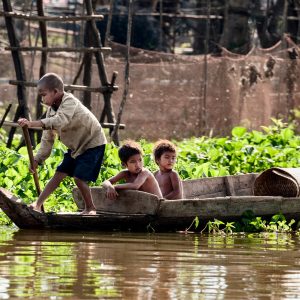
x=116, y=178
x=177, y=192
x=22, y=122
x=47, y=140
x=111, y=192
x=136, y=184
x=45, y=147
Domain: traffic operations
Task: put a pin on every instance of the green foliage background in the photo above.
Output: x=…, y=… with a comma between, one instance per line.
x=243, y=152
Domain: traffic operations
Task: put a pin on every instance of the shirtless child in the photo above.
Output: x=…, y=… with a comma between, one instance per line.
x=169, y=181
x=136, y=177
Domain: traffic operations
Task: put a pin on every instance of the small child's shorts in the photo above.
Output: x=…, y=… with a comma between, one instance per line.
x=85, y=166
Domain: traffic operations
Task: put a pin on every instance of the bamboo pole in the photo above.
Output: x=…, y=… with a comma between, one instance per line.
x=50, y=18
x=60, y=49
x=69, y=86
x=31, y=159
x=104, y=125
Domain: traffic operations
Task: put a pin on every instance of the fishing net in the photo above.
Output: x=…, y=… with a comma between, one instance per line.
x=176, y=96
x=179, y=96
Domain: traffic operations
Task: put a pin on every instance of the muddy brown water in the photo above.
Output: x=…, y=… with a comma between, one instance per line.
x=93, y=265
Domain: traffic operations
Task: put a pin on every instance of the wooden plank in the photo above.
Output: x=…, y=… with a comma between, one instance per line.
x=216, y=186
x=26, y=218
x=60, y=49
x=68, y=86
x=245, y=181
x=128, y=202
x=229, y=186
x=171, y=214
x=100, y=222
x=22, y=215
x=16, y=125
x=193, y=207
x=224, y=207
x=50, y=18
x=203, y=187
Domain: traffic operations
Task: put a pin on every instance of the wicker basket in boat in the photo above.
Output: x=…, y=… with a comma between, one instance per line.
x=278, y=182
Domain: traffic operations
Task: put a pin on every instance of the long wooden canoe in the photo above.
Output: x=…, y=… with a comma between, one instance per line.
x=225, y=198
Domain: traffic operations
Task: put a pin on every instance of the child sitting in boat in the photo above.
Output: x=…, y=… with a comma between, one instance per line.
x=136, y=177
x=169, y=181
x=78, y=129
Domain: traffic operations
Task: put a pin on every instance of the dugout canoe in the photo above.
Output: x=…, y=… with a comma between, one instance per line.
x=224, y=198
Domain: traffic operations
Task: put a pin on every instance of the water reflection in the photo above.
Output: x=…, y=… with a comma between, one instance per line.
x=93, y=265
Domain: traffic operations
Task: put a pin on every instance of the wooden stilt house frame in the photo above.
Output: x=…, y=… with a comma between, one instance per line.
x=92, y=46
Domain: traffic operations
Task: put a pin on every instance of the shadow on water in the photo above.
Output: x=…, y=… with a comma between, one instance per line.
x=93, y=265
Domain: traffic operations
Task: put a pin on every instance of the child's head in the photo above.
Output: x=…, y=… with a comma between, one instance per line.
x=51, y=88
x=130, y=154
x=165, y=154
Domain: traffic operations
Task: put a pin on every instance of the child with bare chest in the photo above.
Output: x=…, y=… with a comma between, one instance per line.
x=168, y=179
x=136, y=177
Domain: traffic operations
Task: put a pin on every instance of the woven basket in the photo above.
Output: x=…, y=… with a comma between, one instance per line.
x=278, y=182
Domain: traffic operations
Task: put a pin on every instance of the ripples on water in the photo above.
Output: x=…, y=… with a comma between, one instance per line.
x=93, y=265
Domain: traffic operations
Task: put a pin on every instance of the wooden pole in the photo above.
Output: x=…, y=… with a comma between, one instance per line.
x=22, y=109
x=104, y=125
x=114, y=134
x=109, y=20
x=5, y=114
x=31, y=158
x=283, y=46
x=11, y=14
x=101, y=66
x=44, y=59
x=67, y=87
x=204, y=107
x=161, y=25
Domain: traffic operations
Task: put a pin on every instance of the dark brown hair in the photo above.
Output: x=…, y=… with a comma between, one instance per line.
x=128, y=149
x=162, y=146
x=52, y=81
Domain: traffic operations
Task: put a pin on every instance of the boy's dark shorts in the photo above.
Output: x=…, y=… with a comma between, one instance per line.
x=85, y=166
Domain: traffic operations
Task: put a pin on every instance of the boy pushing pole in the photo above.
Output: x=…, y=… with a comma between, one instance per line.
x=78, y=129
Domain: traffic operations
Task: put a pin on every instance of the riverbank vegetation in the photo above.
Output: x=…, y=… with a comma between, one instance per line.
x=243, y=152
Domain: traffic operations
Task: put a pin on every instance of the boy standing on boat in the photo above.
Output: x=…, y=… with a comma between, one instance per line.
x=169, y=181
x=136, y=177
x=78, y=129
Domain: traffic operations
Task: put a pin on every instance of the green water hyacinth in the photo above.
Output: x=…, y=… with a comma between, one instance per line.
x=243, y=152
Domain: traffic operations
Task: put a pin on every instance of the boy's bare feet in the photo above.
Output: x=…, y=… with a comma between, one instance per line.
x=35, y=207
x=88, y=212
